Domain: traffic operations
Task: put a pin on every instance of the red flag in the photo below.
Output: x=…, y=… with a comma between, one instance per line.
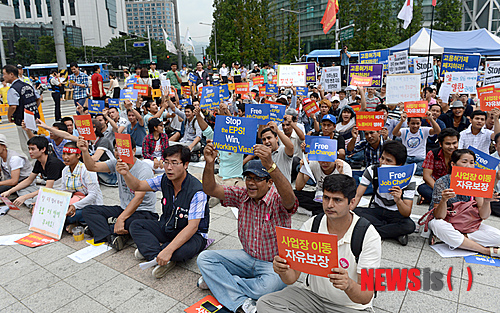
x=434, y=3
x=330, y=16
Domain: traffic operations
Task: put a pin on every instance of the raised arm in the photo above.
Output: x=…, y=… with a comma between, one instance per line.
x=285, y=140
x=210, y=187
x=435, y=126
x=397, y=130
x=57, y=132
x=132, y=182
x=89, y=162
x=361, y=92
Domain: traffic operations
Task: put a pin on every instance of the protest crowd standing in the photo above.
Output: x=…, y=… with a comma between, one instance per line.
x=312, y=149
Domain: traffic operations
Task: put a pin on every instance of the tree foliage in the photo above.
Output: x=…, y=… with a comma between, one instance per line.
x=449, y=15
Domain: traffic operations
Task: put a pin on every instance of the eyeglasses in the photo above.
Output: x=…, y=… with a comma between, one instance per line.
x=168, y=163
x=256, y=179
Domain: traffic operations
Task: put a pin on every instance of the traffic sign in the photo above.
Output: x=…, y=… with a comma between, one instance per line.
x=347, y=33
x=139, y=44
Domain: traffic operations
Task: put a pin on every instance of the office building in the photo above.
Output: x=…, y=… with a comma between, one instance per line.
x=155, y=14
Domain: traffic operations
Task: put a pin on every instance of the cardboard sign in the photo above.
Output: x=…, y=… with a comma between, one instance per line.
x=323, y=149
x=156, y=93
x=186, y=91
x=235, y=134
x=424, y=68
x=224, y=93
x=310, y=253
x=310, y=107
x=259, y=112
x=311, y=73
x=461, y=82
x=374, y=57
x=454, y=62
x=49, y=212
x=209, y=97
x=96, y=106
x=416, y=108
x=124, y=147
x=206, y=305
x=9, y=203
x=271, y=89
x=35, y=240
x=185, y=102
x=472, y=181
x=242, y=88
x=483, y=160
x=489, y=101
x=356, y=108
x=398, y=63
x=367, y=70
x=403, y=88
x=114, y=103
x=361, y=81
x=83, y=124
x=143, y=90
x=129, y=94
x=308, y=141
x=370, y=121
x=258, y=80
x=277, y=111
x=492, y=73
x=302, y=91
x=192, y=78
x=391, y=176
x=29, y=120
x=130, y=82
x=291, y=75
x=484, y=90
x=330, y=78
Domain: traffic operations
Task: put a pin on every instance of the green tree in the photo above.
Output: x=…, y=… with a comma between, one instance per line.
x=47, y=50
x=25, y=52
x=448, y=15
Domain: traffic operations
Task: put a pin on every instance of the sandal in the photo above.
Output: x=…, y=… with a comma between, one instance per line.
x=70, y=228
x=420, y=200
x=495, y=252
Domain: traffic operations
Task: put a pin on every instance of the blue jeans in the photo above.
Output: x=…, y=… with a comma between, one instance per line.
x=109, y=178
x=418, y=161
x=79, y=102
x=425, y=191
x=78, y=218
x=233, y=276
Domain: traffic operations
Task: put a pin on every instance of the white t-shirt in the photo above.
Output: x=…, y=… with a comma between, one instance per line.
x=415, y=143
x=158, y=150
x=319, y=176
x=283, y=162
x=224, y=71
x=297, y=150
x=16, y=162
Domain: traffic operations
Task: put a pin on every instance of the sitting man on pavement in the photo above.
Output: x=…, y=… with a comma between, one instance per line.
x=181, y=232
x=388, y=212
x=111, y=223
x=341, y=291
x=328, y=129
x=455, y=117
x=239, y=277
x=476, y=135
x=371, y=145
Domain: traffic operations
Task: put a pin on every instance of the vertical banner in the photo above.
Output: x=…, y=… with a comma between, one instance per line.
x=84, y=126
x=367, y=70
x=124, y=147
x=235, y=134
x=49, y=212
x=291, y=75
x=402, y=88
x=330, y=78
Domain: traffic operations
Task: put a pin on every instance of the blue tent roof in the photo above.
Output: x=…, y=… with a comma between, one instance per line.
x=327, y=53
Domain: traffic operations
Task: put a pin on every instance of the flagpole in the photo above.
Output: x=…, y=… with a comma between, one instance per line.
x=430, y=42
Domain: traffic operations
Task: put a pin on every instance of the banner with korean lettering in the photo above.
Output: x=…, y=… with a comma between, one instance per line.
x=311, y=73
x=143, y=90
x=83, y=124
x=416, y=108
x=277, y=111
x=114, y=103
x=186, y=90
x=391, y=176
x=258, y=80
x=96, y=106
x=302, y=91
x=455, y=62
x=472, y=181
x=485, y=90
x=483, y=160
x=129, y=94
x=259, y=112
x=424, y=68
x=271, y=89
x=492, y=73
x=330, y=78
x=49, y=212
x=361, y=81
x=310, y=107
x=402, y=88
x=209, y=97
x=124, y=147
x=489, y=101
x=461, y=82
x=323, y=149
x=374, y=57
x=367, y=70
x=398, y=63
x=307, y=252
x=35, y=240
x=291, y=75
x=370, y=121
x=241, y=88
x=262, y=91
x=4, y=109
x=235, y=134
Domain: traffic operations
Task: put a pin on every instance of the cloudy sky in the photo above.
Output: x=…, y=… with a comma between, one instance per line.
x=191, y=13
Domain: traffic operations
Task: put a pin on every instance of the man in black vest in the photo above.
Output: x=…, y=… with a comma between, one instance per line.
x=182, y=230
x=21, y=96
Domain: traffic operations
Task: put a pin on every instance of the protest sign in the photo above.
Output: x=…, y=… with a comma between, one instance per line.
x=302, y=91
x=4, y=109
x=367, y=70
x=307, y=252
x=131, y=82
x=416, y=108
x=242, y=88
x=310, y=107
x=49, y=212
x=129, y=94
x=206, y=305
x=209, y=97
x=489, y=101
x=124, y=147
x=258, y=80
x=143, y=90
x=330, y=78
x=311, y=74
x=186, y=90
x=461, y=82
x=484, y=90
x=114, y=103
x=482, y=259
x=224, y=93
x=291, y=75
x=271, y=89
x=29, y=120
x=398, y=63
x=9, y=203
x=96, y=106
x=308, y=141
x=361, y=81
x=259, y=112
x=35, y=240
x=83, y=124
x=185, y=102
x=277, y=111
x=356, y=108
x=165, y=84
x=492, y=73
x=424, y=68
x=231, y=86
x=235, y=134
x=454, y=62
x=483, y=160
x=323, y=149
x=370, y=121
x=193, y=78
x=262, y=90
x=472, y=181
x=444, y=92
x=391, y=176
x=375, y=56
x=402, y=88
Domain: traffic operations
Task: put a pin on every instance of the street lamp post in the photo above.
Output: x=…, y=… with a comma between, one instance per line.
x=298, y=16
x=215, y=40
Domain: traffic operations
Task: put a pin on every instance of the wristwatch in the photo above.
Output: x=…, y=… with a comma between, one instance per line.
x=273, y=167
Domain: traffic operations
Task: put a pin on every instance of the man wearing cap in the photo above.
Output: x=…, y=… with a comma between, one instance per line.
x=237, y=278
x=236, y=73
x=23, y=78
x=455, y=117
x=15, y=168
x=153, y=73
x=328, y=129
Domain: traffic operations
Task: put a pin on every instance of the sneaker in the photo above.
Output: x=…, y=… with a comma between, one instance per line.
x=138, y=255
x=249, y=306
x=161, y=271
x=403, y=240
x=202, y=284
x=117, y=242
x=107, y=184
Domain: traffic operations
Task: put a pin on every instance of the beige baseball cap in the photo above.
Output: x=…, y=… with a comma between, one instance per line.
x=3, y=140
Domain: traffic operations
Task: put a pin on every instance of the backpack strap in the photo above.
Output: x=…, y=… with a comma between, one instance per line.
x=358, y=236
x=316, y=222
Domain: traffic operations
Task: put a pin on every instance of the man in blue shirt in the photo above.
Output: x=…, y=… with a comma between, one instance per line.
x=344, y=63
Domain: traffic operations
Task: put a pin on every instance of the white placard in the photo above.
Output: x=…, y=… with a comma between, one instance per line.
x=445, y=92
x=165, y=83
x=330, y=78
x=90, y=252
x=403, y=88
x=29, y=120
x=49, y=212
x=492, y=74
x=289, y=75
x=398, y=63
x=424, y=68
x=461, y=82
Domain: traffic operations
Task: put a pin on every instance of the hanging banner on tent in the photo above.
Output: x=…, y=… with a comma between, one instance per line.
x=424, y=68
x=461, y=82
x=375, y=56
x=402, y=88
x=398, y=63
x=367, y=70
x=311, y=73
x=291, y=75
x=454, y=62
x=330, y=78
x=492, y=73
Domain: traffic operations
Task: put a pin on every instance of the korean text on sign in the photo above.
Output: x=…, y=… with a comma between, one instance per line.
x=35, y=240
x=49, y=212
x=307, y=252
x=291, y=75
x=84, y=126
x=241, y=88
x=124, y=147
x=370, y=121
x=452, y=62
x=416, y=108
x=489, y=101
x=235, y=134
x=403, y=88
x=367, y=70
x=361, y=81
x=461, y=82
x=472, y=181
x=310, y=107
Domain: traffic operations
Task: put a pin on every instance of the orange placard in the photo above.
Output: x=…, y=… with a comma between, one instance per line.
x=262, y=91
x=4, y=108
x=241, y=88
x=200, y=89
x=472, y=181
x=307, y=252
x=489, y=101
x=258, y=80
x=416, y=108
x=484, y=90
x=156, y=93
x=356, y=108
x=9, y=203
x=143, y=90
x=310, y=107
x=124, y=147
x=202, y=305
x=186, y=90
x=361, y=81
x=370, y=120
x=35, y=240
x=84, y=126
x=274, y=80
x=230, y=86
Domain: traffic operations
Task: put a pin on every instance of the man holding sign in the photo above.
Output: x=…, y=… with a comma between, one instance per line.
x=341, y=291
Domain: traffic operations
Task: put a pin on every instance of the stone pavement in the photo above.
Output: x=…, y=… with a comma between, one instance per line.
x=44, y=279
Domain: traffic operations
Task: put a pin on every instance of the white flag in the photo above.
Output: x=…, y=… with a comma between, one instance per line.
x=168, y=43
x=188, y=40
x=406, y=13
